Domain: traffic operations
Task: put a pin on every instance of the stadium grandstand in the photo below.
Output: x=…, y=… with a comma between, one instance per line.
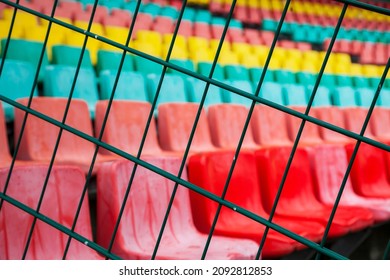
x=194, y=129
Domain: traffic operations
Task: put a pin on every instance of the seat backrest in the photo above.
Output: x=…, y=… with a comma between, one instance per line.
x=354, y=119
x=235, y=116
x=295, y=95
x=62, y=195
x=204, y=68
x=172, y=89
x=195, y=90
x=70, y=55
x=234, y=98
x=175, y=122
x=5, y=156
x=125, y=126
x=39, y=136
x=344, y=97
x=110, y=60
x=380, y=123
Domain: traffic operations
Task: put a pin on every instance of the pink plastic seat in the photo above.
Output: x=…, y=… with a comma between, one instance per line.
x=226, y=124
x=380, y=123
x=5, y=157
x=125, y=126
x=60, y=202
x=145, y=209
x=329, y=165
x=269, y=127
x=39, y=137
x=298, y=199
x=175, y=122
x=354, y=119
x=209, y=171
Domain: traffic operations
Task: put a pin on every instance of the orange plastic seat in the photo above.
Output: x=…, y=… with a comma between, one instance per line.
x=60, y=202
x=209, y=171
x=125, y=126
x=39, y=137
x=144, y=213
x=298, y=198
x=234, y=116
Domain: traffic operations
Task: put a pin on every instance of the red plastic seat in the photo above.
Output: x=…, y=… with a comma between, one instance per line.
x=185, y=28
x=269, y=127
x=380, y=123
x=234, y=115
x=144, y=213
x=39, y=137
x=5, y=157
x=209, y=171
x=60, y=202
x=163, y=25
x=369, y=172
x=175, y=122
x=329, y=166
x=354, y=119
x=125, y=126
x=202, y=29
x=298, y=199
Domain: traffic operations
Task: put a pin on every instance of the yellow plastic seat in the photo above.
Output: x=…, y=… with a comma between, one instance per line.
x=117, y=34
x=356, y=69
x=370, y=70
x=148, y=47
x=196, y=44
x=249, y=60
x=228, y=57
x=202, y=55
x=17, y=31
x=180, y=41
x=148, y=36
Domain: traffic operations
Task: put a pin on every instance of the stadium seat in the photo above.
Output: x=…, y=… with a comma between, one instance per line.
x=322, y=98
x=360, y=82
x=284, y=77
x=298, y=196
x=125, y=126
x=146, y=207
x=175, y=122
x=110, y=60
x=364, y=96
x=58, y=82
x=209, y=171
x=255, y=74
x=184, y=63
x=272, y=92
x=354, y=119
x=172, y=89
x=146, y=66
x=72, y=149
x=16, y=81
x=329, y=165
x=234, y=98
x=5, y=157
x=295, y=94
x=379, y=123
x=130, y=86
x=70, y=56
x=195, y=89
x=60, y=202
x=236, y=72
x=235, y=115
x=25, y=50
x=305, y=78
x=343, y=80
x=344, y=97
x=369, y=173
x=204, y=69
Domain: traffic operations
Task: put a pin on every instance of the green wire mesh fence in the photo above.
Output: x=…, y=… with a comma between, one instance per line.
x=177, y=178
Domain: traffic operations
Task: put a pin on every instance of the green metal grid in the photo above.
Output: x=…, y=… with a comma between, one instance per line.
x=319, y=248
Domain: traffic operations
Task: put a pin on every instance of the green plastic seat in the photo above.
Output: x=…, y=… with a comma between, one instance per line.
x=146, y=66
x=374, y=81
x=236, y=72
x=169, y=11
x=58, y=81
x=189, y=14
x=364, y=96
x=204, y=68
x=235, y=24
x=172, y=89
x=110, y=60
x=305, y=78
x=255, y=74
x=25, y=50
x=112, y=4
x=344, y=97
x=323, y=97
x=295, y=95
x=329, y=81
x=203, y=16
x=344, y=80
x=69, y=56
x=16, y=81
x=195, y=89
x=285, y=77
x=131, y=86
x=360, y=82
x=272, y=92
x=187, y=64
x=151, y=9
x=231, y=97
x=269, y=24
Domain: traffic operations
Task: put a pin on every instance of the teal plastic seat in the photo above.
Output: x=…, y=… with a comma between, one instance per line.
x=374, y=81
x=344, y=81
x=285, y=77
x=112, y=4
x=235, y=24
x=255, y=74
x=272, y=92
x=364, y=96
x=110, y=60
x=70, y=55
x=195, y=89
x=187, y=64
x=169, y=11
x=305, y=78
x=231, y=97
x=344, y=97
x=295, y=95
x=25, y=50
x=203, y=16
x=16, y=81
x=131, y=86
x=236, y=72
x=323, y=97
x=189, y=14
x=384, y=98
x=329, y=81
x=204, y=68
x=360, y=82
x=269, y=24
x=58, y=81
x=146, y=66
x=172, y=89
x=151, y=9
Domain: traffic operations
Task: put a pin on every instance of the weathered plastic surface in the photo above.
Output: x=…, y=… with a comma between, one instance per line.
x=144, y=213
x=329, y=166
x=298, y=197
x=226, y=125
x=209, y=171
x=60, y=202
x=5, y=156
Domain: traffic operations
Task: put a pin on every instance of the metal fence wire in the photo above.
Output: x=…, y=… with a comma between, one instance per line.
x=160, y=211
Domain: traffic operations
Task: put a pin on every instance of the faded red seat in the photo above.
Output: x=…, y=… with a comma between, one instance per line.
x=60, y=202
x=369, y=172
x=269, y=127
x=39, y=136
x=354, y=119
x=298, y=199
x=125, y=127
x=209, y=171
x=144, y=213
x=175, y=122
x=329, y=166
x=5, y=157
x=380, y=123
x=226, y=125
